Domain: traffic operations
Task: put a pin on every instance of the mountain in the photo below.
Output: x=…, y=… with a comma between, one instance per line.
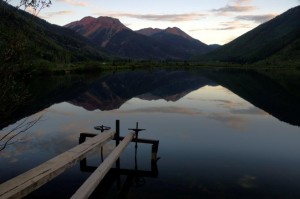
x=25, y=38
x=277, y=37
x=182, y=44
x=100, y=30
x=115, y=37
x=172, y=31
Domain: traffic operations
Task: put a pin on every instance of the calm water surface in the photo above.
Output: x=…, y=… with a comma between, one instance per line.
x=222, y=134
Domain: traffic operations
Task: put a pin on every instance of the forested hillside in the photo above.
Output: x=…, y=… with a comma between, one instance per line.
x=27, y=40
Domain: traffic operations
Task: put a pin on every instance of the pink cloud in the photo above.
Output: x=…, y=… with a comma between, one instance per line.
x=75, y=3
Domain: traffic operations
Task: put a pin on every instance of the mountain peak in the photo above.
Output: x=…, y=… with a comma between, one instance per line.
x=170, y=30
x=149, y=31
x=88, y=19
x=91, y=27
x=110, y=23
x=108, y=19
x=179, y=32
x=173, y=28
x=96, y=23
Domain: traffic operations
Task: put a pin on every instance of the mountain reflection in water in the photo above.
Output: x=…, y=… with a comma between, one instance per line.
x=112, y=91
x=276, y=96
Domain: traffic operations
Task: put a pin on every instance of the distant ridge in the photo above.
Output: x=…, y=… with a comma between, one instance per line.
x=276, y=41
x=173, y=31
x=149, y=43
x=182, y=43
x=149, y=31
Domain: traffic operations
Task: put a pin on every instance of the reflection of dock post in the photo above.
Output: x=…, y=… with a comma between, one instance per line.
x=117, y=137
x=154, y=151
x=136, y=131
x=154, y=158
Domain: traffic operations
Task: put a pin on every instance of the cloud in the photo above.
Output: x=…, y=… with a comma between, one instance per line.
x=249, y=111
x=58, y=111
x=75, y=3
x=236, y=122
x=58, y=13
x=256, y=18
x=236, y=6
x=247, y=182
x=230, y=25
x=239, y=2
x=78, y=126
x=237, y=108
x=231, y=121
x=228, y=103
x=158, y=17
x=169, y=109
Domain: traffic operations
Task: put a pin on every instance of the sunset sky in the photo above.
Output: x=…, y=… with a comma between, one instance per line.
x=210, y=21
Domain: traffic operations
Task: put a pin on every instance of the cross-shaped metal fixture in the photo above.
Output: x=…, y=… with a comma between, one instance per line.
x=102, y=128
x=137, y=130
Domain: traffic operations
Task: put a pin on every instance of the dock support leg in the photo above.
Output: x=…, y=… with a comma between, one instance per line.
x=92, y=182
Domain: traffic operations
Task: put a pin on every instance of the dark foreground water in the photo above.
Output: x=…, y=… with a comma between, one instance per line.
x=223, y=134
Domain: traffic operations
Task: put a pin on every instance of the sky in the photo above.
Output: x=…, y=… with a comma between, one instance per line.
x=210, y=21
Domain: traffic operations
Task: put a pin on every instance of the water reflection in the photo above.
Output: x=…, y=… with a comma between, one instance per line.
x=113, y=90
x=220, y=131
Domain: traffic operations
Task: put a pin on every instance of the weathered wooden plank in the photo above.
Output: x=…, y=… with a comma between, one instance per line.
x=31, y=180
x=92, y=182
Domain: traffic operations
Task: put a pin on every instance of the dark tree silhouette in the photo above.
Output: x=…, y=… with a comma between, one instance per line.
x=34, y=6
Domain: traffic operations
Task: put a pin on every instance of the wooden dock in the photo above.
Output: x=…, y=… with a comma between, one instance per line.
x=92, y=182
x=31, y=180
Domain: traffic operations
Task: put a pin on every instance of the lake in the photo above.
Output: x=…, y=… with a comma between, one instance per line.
x=222, y=133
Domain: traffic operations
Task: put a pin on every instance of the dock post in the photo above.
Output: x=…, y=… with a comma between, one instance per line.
x=92, y=182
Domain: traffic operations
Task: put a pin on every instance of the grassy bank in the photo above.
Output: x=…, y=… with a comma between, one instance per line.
x=43, y=67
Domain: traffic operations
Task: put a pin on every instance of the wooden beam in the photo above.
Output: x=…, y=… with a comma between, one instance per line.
x=92, y=182
x=139, y=140
x=31, y=180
